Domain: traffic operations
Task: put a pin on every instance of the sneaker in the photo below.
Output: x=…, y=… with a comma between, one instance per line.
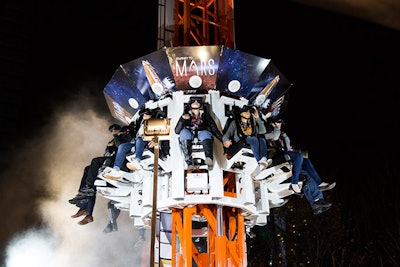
x=134, y=165
x=322, y=203
x=319, y=210
x=263, y=160
x=296, y=188
x=264, y=163
x=78, y=199
x=269, y=162
x=325, y=186
x=114, y=174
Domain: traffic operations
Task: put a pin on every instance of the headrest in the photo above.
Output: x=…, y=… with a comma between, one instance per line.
x=114, y=127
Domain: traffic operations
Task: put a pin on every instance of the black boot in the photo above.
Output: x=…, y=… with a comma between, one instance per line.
x=113, y=214
x=108, y=228
x=186, y=146
x=164, y=150
x=79, y=198
x=208, y=151
x=112, y=226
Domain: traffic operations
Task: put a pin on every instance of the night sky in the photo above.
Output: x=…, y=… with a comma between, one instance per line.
x=56, y=59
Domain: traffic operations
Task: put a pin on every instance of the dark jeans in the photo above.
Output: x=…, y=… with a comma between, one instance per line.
x=258, y=146
x=302, y=165
x=311, y=191
x=91, y=171
x=89, y=205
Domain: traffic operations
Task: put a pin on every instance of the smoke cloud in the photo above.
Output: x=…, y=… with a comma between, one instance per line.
x=47, y=173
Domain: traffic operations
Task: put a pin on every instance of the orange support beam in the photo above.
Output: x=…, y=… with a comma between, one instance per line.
x=226, y=238
x=204, y=22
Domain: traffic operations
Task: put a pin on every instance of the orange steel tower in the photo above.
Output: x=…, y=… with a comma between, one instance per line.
x=196, y=22
x=192, y=23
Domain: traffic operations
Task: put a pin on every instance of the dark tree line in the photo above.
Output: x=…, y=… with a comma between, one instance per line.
x=362, y=228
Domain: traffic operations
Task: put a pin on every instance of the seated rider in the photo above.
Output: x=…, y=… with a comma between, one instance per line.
x=314, y=185
x=299, y=162
x=86, y=197
x=248, y=128
x=197, y=123
x=140, y=143
x=122, y=141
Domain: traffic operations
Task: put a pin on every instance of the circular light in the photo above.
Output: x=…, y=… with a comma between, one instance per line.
x=195, y=81
x=259, y=100
x=133, y=103
x=234, y=86
x=157, y=88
